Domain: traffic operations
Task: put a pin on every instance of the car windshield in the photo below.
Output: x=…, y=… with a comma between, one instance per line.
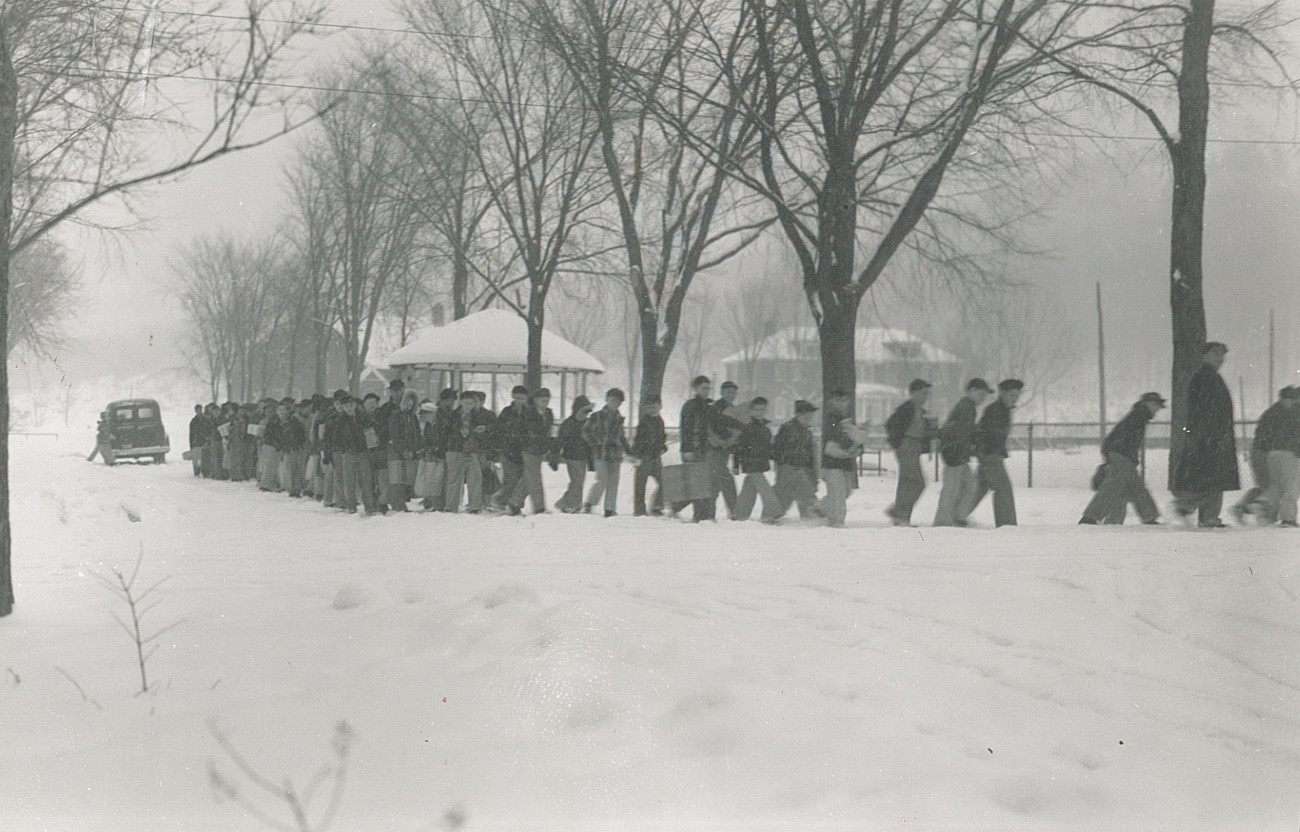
x=125, y=414
x=145, y=413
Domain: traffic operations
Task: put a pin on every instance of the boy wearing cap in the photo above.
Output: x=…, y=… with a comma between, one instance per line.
x=796, y=465
x=1121, y=483
x=352, y=457
x=991, y=449
x=573, y=449
x=724, y=426
x=648, y=447
x=467, y=442
x=293, y=448
x=693, y=424
x=604, y=432
x=405, y=441
x=754, y=453
x=509, y=441
x=1278, y=436
x=910, y=431
x=840, y=451
x=535, y=443
x=1207, y=465
x=956, y=445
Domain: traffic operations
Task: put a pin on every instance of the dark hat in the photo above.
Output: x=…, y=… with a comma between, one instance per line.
x=581, y=403
x=468, y=394
x=288, y=400
x=317, y=398
x=341, y=395
x=1152, y=397
x=730, y=385
x=346, y=398
x=542, y=393
x=367, y=397
x=397, y=382
x=698, y=380
x=446, y=393
x=519, y=390
x=918, y=384
x=978, y=384
x=615, y=393
x=803, y=406
x=1011, y=384
x=1290, y=392
x=839, y=393
x=1211, y=346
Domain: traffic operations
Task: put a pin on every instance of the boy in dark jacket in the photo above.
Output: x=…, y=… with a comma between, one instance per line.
x=467, y=444
x=991, y=448
x=910, y=430
x=198, y=438
x=648, y=447
x=352, y=455
x=405, y=441
x=604, y=432
x=509, y=443
x=754, y=453
x=1121, y=483
x=694, y=423
x=293, y=447
x=956, y=445
x=796, y=463
x=534, y=444
x=573, y=449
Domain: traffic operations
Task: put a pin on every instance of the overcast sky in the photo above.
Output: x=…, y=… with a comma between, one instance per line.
x=1109, y=224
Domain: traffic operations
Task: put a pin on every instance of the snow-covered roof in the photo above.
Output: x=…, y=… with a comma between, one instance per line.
x=873, y=345
x=491, y=341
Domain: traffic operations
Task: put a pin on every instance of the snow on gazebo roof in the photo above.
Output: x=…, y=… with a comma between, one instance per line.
x=872, y=345
x=491, y=341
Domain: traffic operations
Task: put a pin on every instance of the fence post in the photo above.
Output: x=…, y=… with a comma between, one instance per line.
x=1031, y=454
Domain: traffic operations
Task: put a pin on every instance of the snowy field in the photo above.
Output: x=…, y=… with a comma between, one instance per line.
x=577, y=673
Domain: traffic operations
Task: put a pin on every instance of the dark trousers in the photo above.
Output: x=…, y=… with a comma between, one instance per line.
x=1206, y=504
x=571, y=500
x=529, y=484
x=512, y=473
x=723, y=482
x=1121, y=484
x=649, y=467
x=911, y=484
x=357, y=476
x=992, y=476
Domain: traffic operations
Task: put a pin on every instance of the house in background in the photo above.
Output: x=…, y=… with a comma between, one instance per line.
x=787, y=367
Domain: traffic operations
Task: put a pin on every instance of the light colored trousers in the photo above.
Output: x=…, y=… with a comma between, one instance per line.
x=464, y=471
x=606, y=483
x=1283, y=484
x=529, y=484
x=838, y=485
x=795, y=485
x=957, y=492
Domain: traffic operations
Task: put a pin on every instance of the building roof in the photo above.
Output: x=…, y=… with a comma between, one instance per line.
x=491, y=341
x=873, y=345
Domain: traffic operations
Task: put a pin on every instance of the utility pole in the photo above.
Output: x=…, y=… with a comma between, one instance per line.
x=1101, y=369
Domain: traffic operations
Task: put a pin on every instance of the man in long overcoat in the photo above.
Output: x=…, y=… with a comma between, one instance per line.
x=1207, y=466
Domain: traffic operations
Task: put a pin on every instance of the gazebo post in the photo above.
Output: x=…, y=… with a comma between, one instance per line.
x=564, y=390
x=494, y=392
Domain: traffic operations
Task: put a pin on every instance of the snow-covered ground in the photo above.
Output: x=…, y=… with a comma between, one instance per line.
x=575, y=673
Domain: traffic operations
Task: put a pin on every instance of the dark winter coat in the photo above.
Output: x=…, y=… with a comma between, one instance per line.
x=694, y=423
x=271, y=428
x=570, y=442
x=651, y=440
x=293, y=435
x=199, y=427
x=898, y=423
x=992, y=431
x=445, y=420
x=535, y=428
x=793, y=445
x=1208, y=461
x=1126, y=438
x=724, y=427
x=754, y=448
x=957, y=439
x=509, y=431
x=382, y=418
x=405, y=439
x=1278, y=429
x=604, y=432
x=349, y=433
x=471, y=431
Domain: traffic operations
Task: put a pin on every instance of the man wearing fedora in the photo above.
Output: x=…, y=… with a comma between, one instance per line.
x=1121, y=483
x=991, y=449
x=1207, y=466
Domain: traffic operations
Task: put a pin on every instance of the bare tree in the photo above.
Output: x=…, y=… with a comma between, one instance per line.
x=640, y=67
x=755, y=310
x=1165, y=59
x=81, y=108
x=42, y=294
x=532, y=137
x=863, y=109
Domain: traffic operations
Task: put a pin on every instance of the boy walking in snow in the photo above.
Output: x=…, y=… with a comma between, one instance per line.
x=991, y=448
x=572, y=449
x=604, y=432
x=648, y=447
x=1121, y=483
x=839, y=454
x=956, y=445
x=796, y=463
x=754, y=453
x=909, y=431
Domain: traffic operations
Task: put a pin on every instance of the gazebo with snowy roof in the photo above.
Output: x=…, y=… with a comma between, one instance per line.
x=788, y=367
x=491, y=343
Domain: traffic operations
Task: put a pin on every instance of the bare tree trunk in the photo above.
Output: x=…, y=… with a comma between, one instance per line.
x=322, y=359
x=1186, y=302
x=8, y=125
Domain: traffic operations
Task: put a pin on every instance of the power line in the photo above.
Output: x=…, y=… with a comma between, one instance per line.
x=416, y=96
x=396, y=30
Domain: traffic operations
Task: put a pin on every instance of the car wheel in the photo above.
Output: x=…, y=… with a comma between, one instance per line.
x=160, y=459
x=110, y=458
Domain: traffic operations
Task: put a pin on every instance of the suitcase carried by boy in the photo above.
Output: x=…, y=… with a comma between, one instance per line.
x=687, y=482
